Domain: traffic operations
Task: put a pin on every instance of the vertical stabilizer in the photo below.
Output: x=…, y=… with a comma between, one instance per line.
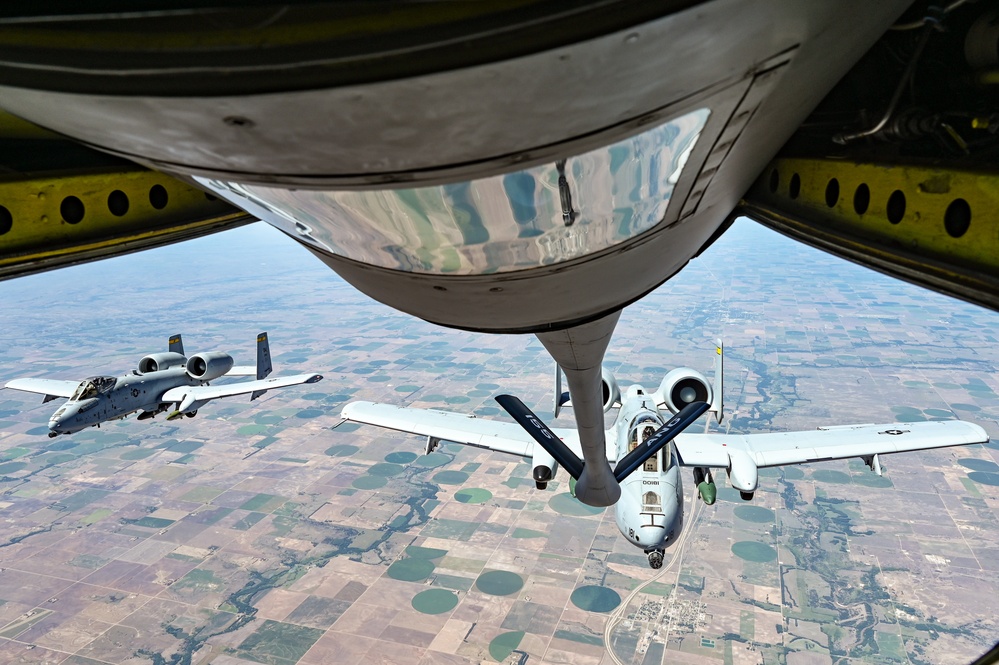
x=176, y=344
x=264, y=367
x=718, y=391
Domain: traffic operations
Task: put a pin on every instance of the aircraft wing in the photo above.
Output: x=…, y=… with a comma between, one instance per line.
x=205, y=393
x=826, y=443
x=51, y=388
x=460, y=428
x=242, y=370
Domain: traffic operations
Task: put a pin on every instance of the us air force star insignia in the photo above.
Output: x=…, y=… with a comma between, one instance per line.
x=894, y=432
x=135, y=392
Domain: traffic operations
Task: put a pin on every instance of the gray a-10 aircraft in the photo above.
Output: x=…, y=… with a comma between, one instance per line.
x=161, y=380
x=649, y=513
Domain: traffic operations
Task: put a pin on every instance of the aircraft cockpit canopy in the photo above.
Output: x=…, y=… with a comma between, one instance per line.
x=641, y=429
x=93, y=387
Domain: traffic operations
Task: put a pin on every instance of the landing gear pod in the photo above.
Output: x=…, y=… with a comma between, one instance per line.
x=742, y=473
x=545, y=467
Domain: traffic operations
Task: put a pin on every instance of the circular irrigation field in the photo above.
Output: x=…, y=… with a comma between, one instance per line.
x=751, y=550
x=435, y=601
x=595, y=598
x=755, y=514
x=567, y=504
x=499, y=582
x=829, y=476
x=504, y=644
x=985, y=478
x=369, y=482
x=449, y=477
x=976, y=464
x=473, y=495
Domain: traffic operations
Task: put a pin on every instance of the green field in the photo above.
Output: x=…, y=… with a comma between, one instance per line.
x=11, y=467
x=595, y=598
x=756, y=514
x=80, y=499
x=263, y=503
x=432, y=461
x=369, y=482
x=503, y=645
x=528, y=533
x=830, y=476
x=277, y=643
x=411, y=570
x=342, y=450
x=417, y=552
x=435, y=601
x=386, y=469
x=473, y=495
x=567, y=504
x=976, y=464
x=750, y=550
x=499, y=583
x=450, y=477
x=201, y=494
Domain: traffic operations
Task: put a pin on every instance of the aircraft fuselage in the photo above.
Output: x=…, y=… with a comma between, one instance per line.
x=649, y=513
x=110, y=401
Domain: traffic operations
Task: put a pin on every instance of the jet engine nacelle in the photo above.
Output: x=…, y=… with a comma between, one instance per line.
x=742, y=472
x=611, y=393
x=160, y=361
x=544, y=466
x=682, y=386
x=209, y=366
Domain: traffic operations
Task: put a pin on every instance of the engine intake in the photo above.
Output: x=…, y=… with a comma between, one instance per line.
x=160, y=361
x=209, y=366
x=611, y=393
x=683, y=386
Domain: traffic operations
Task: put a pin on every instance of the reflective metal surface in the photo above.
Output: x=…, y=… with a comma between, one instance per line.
x=539, y=216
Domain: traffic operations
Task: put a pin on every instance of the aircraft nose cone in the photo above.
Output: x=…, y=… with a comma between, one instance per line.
x=64, y=420
x=55, y=422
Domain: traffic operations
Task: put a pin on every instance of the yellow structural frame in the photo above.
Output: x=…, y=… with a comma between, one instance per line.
x=932, y=225
x=927, y=192
x=36, y=234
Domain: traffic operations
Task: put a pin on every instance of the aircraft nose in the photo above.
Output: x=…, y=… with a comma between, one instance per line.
x=63, y=419
x=55, y=421
x=660, y=532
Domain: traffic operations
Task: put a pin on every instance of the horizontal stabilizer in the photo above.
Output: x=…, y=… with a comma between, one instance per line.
x=540, y=433
x=659, y=438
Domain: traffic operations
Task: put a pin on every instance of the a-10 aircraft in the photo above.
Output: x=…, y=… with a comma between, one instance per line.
x=651, y=449
x=161, y=381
